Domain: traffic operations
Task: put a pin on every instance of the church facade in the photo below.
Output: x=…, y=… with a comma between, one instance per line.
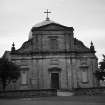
x=53, y=58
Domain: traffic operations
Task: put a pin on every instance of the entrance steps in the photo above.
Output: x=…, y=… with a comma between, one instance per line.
x=64, y=93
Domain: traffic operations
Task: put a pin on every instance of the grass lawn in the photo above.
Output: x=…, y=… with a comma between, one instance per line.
x=73, y=100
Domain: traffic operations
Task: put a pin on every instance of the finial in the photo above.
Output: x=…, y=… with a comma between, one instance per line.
x=13, y=45
x=47, y=12
x=92, y=49
x=91, y=43
x=13, y=48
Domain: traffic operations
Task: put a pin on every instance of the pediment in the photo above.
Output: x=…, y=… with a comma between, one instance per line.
x=52, y=26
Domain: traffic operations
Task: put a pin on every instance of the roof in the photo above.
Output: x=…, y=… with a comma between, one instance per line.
x=43, y=23
x=40, y=24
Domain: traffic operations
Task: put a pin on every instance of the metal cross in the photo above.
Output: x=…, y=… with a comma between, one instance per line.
x=47, y=12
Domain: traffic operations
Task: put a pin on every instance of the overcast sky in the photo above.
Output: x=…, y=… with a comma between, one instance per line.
x=86, y=16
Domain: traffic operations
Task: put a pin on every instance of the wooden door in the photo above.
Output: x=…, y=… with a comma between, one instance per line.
x=55, y=80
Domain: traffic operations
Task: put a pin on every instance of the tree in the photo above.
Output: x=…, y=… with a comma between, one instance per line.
x=100, y=73
x=8, y=72
x=102, y=64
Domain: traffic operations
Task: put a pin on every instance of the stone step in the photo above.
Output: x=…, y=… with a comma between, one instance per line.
x=64, y=93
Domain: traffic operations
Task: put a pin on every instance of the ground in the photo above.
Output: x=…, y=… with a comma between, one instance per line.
x=73, y=100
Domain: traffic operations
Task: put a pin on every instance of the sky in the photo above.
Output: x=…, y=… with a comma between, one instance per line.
x=87, y=17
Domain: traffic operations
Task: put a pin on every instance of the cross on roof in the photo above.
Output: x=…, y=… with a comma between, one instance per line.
x=47, y=12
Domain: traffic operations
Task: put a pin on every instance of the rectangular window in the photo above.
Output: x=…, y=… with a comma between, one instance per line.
x=24, y=75
x=53, y=42
x=84, y=75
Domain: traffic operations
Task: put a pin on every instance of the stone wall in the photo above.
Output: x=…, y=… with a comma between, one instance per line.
x=90, y=91
x=28, y=93
x=39, y=76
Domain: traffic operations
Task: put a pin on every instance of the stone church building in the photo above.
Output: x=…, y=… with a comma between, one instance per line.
x=53, y=58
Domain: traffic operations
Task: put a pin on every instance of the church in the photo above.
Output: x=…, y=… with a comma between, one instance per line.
x=53, y=58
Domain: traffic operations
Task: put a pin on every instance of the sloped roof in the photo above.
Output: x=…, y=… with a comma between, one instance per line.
x=79, y=47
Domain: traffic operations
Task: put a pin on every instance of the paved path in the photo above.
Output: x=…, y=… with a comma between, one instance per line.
x=75, y=100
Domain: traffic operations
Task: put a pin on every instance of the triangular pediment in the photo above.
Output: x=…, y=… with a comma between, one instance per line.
x=52, y=26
